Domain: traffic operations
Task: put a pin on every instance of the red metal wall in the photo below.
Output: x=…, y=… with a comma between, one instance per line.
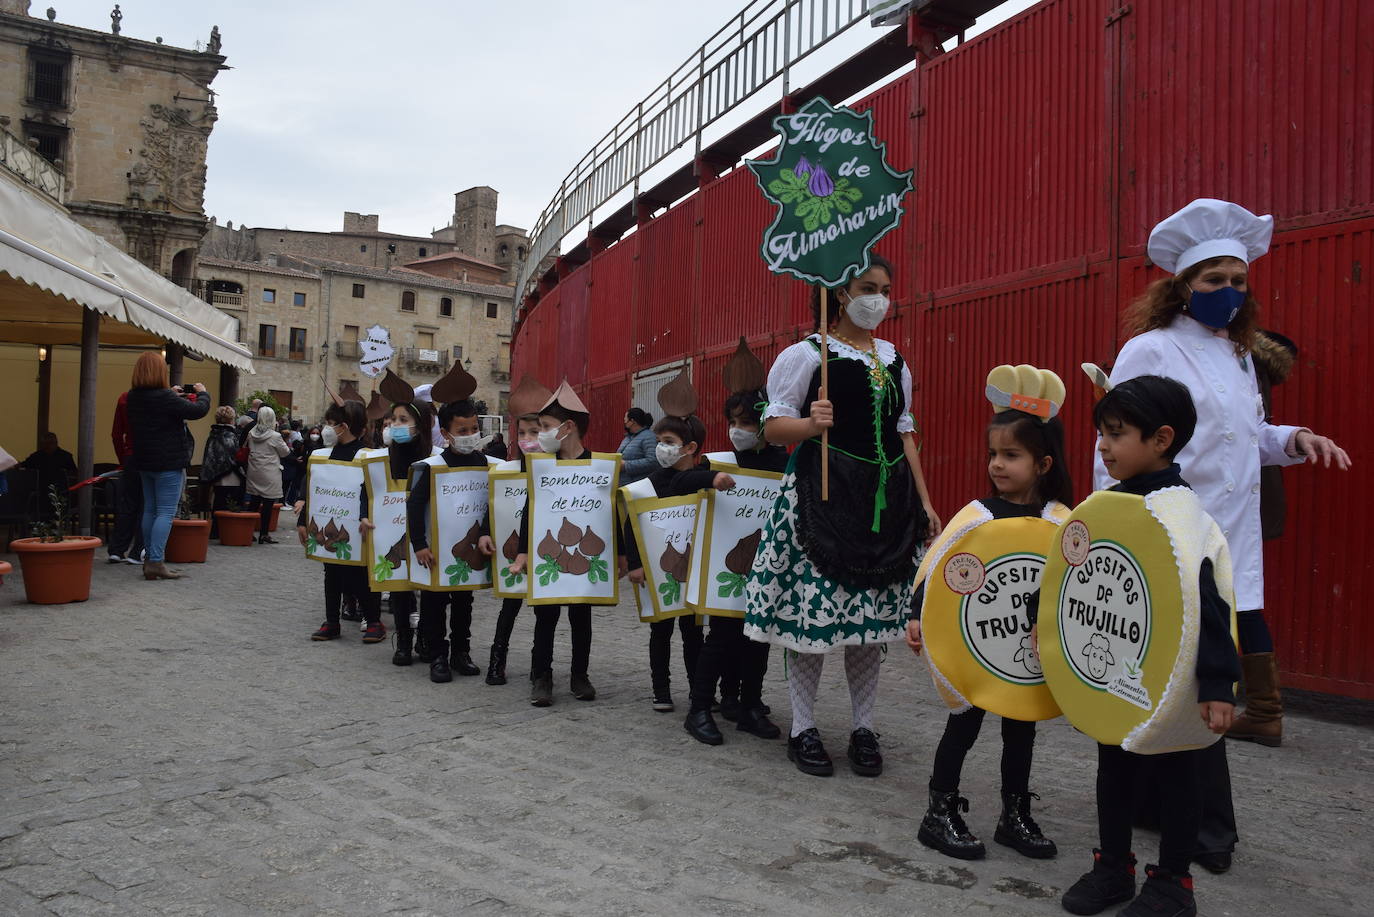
x=1044, y=152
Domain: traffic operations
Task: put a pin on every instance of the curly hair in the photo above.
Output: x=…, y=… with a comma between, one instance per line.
x=1163, y=301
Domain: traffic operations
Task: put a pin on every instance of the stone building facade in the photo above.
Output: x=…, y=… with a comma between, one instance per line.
x=360, y=242
x=303, y=318
x=126, y=120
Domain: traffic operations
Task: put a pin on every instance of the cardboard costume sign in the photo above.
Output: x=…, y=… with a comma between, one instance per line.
x=728, y=531
x=387, y=545
x=978, y=577
x=332, y=505
x=1120, y=617
x=663, y=530
x=508, y=497
x=457, y=512
x=572, y=534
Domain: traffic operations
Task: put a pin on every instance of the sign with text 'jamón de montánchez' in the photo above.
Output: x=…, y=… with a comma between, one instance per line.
x=835, y=192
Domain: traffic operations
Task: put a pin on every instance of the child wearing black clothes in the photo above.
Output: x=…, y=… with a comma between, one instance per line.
x=527, y=440
x=343, y=424
x=679, y=441
x=727, y=656
x=458, y=421
x=1143, y=423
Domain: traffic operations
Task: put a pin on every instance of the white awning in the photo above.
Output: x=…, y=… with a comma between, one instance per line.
x=46, y=249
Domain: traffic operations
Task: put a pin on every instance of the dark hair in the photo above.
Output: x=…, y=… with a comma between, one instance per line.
x=1041, y=439
x=350, y=413
x=835, y=309
x=461, y=408
x=1148, y=403
x=689, y=429
x=746, y=404
x=423, y=443
x=641, y=417
x=560, y=414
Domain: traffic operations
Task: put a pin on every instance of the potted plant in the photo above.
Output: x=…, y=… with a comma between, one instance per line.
x=235, y=526
x=57, y=567
x=189, y=541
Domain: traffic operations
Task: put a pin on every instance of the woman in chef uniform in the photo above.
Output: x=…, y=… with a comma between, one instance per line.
x=1198, y=326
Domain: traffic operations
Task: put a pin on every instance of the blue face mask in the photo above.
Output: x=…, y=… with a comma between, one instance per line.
x=1217, y=308
x=401, y=433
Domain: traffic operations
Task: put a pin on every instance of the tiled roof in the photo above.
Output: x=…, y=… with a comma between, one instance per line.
x=412, y=278
x=257, y=266
x=456, y=256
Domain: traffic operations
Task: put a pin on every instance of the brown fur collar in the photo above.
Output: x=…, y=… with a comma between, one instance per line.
x=1274, y=358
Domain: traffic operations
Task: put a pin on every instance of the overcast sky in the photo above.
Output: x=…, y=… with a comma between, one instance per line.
x=391, y=107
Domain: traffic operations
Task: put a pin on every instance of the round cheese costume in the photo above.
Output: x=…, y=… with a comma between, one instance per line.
x=1120, y=616
x=978, y=576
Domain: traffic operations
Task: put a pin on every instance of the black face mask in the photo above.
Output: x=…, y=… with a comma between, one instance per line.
x=628, y=431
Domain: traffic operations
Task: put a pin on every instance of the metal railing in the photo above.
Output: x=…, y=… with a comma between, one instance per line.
x=347, y=349
x=228, y=300
x=757, y=46
x=21, y=159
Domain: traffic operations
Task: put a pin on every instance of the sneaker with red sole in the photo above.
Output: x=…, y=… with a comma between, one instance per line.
x=327, y=631
x=374, y=632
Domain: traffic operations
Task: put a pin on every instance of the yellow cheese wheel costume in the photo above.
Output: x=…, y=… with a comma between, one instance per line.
x=974, y=622
x=1120, y=616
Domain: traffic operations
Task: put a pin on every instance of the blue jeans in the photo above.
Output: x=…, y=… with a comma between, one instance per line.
x=161, y=491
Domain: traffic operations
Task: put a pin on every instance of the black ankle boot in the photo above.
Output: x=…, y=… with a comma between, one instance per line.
x=754, y=721
x=404, y=638
x=1016, y=828
x=1110, y=881
x=703, y=727
x=943, y=828
x=439, y=672
x=496, y=665
x=462, y=664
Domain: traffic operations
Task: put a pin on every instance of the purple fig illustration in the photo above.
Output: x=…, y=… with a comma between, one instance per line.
x=802, y=167
x=568, y=534
x=591, y=544
x=821, y=183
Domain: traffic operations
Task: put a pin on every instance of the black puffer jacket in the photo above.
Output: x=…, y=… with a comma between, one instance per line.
x=218, y=460
x=157, y=423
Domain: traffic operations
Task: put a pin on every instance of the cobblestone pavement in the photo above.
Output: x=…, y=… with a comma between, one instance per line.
x=183, y=748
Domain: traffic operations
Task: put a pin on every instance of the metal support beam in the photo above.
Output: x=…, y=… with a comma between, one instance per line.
x=176, y=362
x=44, y=392
x=228, y=384
x=85, y=418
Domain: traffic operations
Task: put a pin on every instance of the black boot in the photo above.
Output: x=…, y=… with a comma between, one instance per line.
x=404, y=638
x=703, y=727
x=439, y=672
x=461, y=663
x=496, y=666
x=541, y=689
x=1110, y=881
x=422, y=652
x=730, y=708
x=809, y=754
x=755, y=721
x=1016, y=828
x=943, y=828
x=1163, y=895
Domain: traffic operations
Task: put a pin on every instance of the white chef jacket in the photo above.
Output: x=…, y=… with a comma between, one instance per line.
x=1232, y=440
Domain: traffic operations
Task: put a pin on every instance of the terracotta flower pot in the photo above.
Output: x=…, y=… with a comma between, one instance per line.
x=57, y=572
x=235, y=529
x=276, y=517
x=189, y=542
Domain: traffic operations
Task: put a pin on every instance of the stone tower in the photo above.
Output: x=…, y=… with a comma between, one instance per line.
x=474, y=222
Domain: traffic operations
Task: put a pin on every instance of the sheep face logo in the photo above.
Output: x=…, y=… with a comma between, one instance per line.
x=1098, y=652
x=1027, y=656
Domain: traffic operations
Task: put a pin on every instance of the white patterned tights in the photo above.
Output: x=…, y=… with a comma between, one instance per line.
x=861, y=665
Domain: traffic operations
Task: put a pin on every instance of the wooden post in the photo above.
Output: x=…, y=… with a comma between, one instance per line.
x=228, y=384
x=85, y=422
x=825, y=391
x=44, y=393
x=176, y=362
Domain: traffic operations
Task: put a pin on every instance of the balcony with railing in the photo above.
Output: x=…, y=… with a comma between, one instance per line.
x=424, y=360
x=226, y=300
x=347, y=349
x=22, y=159
x=500, y=370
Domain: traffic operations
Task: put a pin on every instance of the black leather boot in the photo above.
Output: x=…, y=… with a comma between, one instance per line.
x=755, y=721
x=496, y=666
x=1016, y=828
x=703, y=727
x=943, y=828
x=404, y=639
x=809, y=754
x=462, y=664
x=439, y=672
x=1110, y=881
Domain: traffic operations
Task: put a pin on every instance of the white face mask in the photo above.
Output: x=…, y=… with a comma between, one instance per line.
x=329, y=436
x=467, y=444
x=867, y=312
x=529, y=445
x=549, y=440
x=386, y=436
x=743, y=440
x=668, y=454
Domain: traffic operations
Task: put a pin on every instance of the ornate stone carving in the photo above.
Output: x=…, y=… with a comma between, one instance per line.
x=173, y=155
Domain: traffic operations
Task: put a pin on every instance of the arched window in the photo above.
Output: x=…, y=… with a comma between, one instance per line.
x=521, y=252
x=505, y=250
x=408, y=301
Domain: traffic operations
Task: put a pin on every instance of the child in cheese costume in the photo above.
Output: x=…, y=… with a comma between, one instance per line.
x=977, y=577
x=1143, y=424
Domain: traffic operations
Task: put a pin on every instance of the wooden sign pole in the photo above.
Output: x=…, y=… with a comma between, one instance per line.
x=825, y=390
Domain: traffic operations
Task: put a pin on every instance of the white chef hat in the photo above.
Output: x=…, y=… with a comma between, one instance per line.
x=422, y=393
x=436, y=432
x=1205, y=229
